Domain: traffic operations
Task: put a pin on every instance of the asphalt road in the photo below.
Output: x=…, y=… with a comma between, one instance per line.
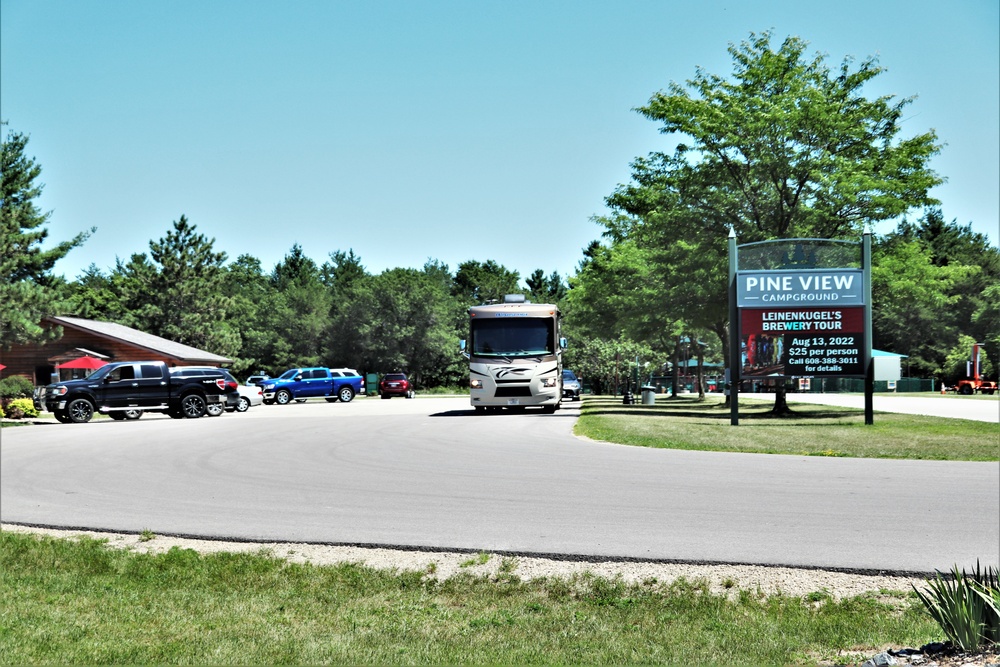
x=430, y=473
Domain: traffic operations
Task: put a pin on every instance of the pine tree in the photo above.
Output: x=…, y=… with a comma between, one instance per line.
x=27, y=293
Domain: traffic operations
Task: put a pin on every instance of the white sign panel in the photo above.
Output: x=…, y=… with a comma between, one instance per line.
x=776, y=289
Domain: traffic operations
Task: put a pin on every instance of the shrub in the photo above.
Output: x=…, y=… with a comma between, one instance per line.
x=966, y=606
x=16, y=386
x=20, y=408
x=2, y=415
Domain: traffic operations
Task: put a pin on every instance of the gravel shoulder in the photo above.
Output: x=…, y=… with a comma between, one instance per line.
x=442, y=565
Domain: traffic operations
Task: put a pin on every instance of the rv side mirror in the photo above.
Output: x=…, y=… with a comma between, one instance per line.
x=562, y=343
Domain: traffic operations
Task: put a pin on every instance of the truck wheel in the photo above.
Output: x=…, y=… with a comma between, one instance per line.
x=80, y=410
x=283, y=397
x=132, y=414
x=193, y=406
x=346, y=394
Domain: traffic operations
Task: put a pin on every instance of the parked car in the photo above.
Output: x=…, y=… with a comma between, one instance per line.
x=395, y=384
x=232, y=397
x=249, y=397
x=257, y=379
x=298, y=384
x=571, y=385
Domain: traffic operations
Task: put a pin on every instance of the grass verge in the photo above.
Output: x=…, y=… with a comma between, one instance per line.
x=79, y=601
x=811, y=430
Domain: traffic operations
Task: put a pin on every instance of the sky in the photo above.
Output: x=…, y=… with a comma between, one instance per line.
x=410, y=131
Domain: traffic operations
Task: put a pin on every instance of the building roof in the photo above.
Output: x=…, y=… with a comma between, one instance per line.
x=142, y=339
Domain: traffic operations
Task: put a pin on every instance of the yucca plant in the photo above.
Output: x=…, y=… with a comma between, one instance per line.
x=966, y=606
x=986, y=584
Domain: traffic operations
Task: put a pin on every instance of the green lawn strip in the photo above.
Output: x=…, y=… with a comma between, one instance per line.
x=812, y=430
x=69, y=601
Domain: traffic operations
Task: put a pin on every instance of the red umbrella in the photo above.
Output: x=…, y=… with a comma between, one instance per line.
x=86, y=363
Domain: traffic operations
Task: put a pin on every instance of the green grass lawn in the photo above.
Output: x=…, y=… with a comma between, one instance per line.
x=814, y=430
x=69, y=601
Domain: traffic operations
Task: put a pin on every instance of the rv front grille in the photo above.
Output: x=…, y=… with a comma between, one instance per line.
x=511, y=392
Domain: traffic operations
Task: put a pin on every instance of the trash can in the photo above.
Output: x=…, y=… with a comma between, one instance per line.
x=371, y=384
x=649, y=395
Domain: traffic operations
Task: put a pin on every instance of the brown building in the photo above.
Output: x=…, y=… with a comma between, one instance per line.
x=105, y=341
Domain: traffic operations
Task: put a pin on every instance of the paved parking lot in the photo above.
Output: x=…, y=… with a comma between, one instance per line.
x=430, y=473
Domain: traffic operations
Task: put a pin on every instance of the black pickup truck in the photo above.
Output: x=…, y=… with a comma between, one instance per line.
x=126, y=389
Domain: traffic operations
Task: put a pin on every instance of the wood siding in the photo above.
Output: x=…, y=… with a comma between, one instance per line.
x=32, y=361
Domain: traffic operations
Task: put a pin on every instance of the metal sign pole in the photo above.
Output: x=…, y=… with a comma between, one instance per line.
x=735, y=359
x=869, y=360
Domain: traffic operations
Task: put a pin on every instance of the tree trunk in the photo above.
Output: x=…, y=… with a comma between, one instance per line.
x=701, y=371
x=781, y=408
x=677, y=369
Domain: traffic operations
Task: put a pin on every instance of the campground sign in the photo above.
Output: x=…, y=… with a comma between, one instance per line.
x=756, y=289
x=799, y=308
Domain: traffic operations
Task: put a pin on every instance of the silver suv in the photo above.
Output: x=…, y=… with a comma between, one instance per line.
x=571, y=385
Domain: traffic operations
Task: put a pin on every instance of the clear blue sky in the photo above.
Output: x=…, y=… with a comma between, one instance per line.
x=409, y=130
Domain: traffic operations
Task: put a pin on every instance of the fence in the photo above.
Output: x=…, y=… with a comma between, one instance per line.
x=834, y=385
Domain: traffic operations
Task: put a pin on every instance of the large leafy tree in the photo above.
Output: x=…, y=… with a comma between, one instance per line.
x=786, y=147
x=932, y=282
x=27, y=288
x=914, y=297
x=408, y=323
x=974, y=265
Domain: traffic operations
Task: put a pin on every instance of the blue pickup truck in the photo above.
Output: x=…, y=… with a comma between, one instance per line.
x=298, y=384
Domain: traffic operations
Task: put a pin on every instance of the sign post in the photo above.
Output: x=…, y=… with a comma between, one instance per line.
x=800, y=309
x=734, y=336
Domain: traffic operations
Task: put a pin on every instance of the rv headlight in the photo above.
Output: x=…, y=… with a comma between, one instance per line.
x=475, y=384
x=550, y=382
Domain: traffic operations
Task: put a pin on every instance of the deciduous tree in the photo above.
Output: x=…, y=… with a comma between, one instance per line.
x=784, y=148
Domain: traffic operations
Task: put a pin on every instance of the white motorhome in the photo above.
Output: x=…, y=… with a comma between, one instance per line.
x=515, y=355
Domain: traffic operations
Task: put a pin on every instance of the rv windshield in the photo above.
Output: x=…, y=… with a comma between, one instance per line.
x=513, y=337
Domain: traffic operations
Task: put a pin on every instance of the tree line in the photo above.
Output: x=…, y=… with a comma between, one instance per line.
x=785, y=147
x=300, y=313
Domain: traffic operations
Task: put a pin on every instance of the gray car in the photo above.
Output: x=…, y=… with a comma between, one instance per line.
x=571, y=386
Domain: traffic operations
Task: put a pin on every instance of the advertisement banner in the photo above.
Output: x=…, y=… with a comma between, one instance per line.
x=802, y=342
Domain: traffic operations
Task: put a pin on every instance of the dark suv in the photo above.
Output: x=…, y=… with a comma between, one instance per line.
x=232, y=394
x=395, y=384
